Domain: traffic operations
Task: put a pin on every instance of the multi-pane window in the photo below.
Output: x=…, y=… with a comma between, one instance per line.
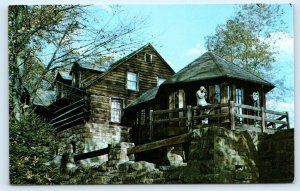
x=160, y=81
x=148, y=58
x=217, y=94
x=116, y=108
x=143, y=116
x=132, y=81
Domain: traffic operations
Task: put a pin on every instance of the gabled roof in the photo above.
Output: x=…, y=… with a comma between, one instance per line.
x=64, y=75
x=122, y=60
x=146, y=96
x=44, y=97
x=210, y=66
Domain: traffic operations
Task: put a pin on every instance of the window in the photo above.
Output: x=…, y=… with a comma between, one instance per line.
x=228, y=93
x=217, y=94
x=148, y=58
x=143, y=116
x=116, y=108
x=132, y=81
x=160, y=81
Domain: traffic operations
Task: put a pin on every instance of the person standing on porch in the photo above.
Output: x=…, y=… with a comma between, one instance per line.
x=201, y=101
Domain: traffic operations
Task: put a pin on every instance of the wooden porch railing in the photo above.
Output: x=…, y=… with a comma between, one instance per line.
x=218, y=113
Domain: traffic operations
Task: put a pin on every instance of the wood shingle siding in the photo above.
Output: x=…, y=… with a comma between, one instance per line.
x=114, y=83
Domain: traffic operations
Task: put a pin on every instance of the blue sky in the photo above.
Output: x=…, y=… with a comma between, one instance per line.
x=178, y=31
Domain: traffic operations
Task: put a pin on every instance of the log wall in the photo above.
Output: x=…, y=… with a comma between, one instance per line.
x=114, y=84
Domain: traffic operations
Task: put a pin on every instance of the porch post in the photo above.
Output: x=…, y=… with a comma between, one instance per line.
x=232, y=120
x=151, y=124
x=263, y=120
x=287, y=120
x=189, y=118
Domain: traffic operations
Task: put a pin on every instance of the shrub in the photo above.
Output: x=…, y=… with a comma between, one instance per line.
x=30, y=139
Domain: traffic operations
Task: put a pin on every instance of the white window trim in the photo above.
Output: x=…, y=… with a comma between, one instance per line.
x=145, y=56
x=137, y=81
x=121, y=108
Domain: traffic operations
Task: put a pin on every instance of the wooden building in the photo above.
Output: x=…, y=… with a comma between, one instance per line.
x=224, y=82
x=109, y=89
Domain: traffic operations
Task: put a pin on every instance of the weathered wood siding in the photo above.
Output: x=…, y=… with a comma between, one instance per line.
x=86, y=75
x=114, y=84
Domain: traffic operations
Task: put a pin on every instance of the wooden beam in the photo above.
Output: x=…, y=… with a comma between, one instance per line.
x=68, y=118
x=248, y=107
x=69, y=124
x=159, y=144
x=248, y=117
x=276, y=113
x=66, y=113
x=92, y=154
x=276, y=121
x=68, y=107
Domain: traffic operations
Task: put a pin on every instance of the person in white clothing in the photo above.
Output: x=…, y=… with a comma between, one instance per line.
x=201, y=101
x=201, y=96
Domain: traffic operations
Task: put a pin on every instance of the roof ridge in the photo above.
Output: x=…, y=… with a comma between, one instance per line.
x=220, y=67
x=243, y=69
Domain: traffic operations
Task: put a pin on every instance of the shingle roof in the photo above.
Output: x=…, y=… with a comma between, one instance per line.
x=94, y=66
x=146, y=96
x=65, y=75
x=209, y=66
x=44, y=97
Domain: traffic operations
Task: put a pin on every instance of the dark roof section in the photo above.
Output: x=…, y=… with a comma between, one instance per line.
x=44, y=97
x=122, y=60
x=209, y=66
x=65, y=75
x=146, y=96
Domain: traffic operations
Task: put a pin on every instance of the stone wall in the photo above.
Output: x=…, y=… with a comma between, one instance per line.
x=276, y=157
x=86, y=138
x=216, y=155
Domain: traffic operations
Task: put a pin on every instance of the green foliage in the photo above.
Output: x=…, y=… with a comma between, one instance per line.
x=243, y=40
x=30, y=141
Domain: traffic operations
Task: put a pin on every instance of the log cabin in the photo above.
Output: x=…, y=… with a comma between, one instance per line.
x=142, y=96
x=92, y=97
x=224, y=81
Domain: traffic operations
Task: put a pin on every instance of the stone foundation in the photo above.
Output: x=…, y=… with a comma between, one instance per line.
x=89, y=137
x=216, y=155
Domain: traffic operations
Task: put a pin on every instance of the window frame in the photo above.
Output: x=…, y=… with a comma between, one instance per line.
x=217, y=97
x=115, y=110
x=136, y=82
x=150, y=56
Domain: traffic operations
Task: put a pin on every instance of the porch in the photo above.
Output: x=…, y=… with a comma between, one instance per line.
x=166, y=123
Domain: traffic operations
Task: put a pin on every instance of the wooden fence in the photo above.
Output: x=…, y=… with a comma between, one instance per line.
x=231, y=114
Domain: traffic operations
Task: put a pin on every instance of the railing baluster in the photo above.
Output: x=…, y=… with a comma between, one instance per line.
x=263, y=120
x=232, y=118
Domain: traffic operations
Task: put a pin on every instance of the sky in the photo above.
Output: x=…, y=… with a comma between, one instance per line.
x=178, y=32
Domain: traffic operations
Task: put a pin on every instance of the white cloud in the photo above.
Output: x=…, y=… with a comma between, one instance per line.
x=197, y=50
x=284, y=44
x=106, y=8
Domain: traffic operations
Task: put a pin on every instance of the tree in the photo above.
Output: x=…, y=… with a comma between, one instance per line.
x=30, y=141
x=45, y=38
x=243, y=40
